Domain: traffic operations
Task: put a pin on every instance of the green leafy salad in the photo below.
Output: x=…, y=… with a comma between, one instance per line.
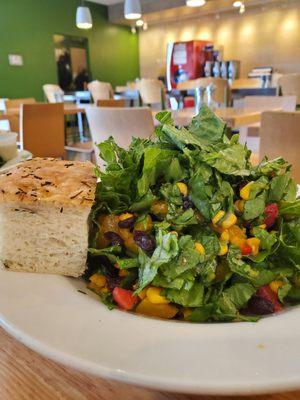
x=184, y=227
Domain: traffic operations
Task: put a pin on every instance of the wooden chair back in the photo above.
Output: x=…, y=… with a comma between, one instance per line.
x=53, y=93
x=289, y=85
x=121, y=123
x=246, y=83
x=100, y=90
x=280, y=136
x=117, y=103
x=43, y=129
x=286, y=103
x=14, y=120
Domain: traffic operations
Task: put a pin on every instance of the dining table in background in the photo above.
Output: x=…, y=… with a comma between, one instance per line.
x=26, y=375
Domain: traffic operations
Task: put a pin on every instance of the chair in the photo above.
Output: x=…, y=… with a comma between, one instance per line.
x=251, y=133
x=43, y=129
x=289, y=85
x=152, y=92
x=222, y=91
x=121, y=123
x=100, y=90
x=53, y=93
x=280, y=136
x=14, y=120
x=111, y=103
x=246, y=83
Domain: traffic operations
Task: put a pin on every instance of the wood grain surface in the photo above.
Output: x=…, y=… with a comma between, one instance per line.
x=25, y=375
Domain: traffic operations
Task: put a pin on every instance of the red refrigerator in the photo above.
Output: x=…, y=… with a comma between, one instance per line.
x=186, y=60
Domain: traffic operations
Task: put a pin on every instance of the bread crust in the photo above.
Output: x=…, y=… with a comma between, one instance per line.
x=48, y=180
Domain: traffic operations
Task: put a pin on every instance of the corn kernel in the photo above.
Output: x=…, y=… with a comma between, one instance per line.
x=220, y=214
x=199, y=248
x=182, y=188
x=229, y=220
x=239, y=205
x=98, y=279
x=225, y=236
x=262, y=226
x=223, y=249
x=104, y=290
x=275, y=285
x=186, y=313
x=123, y=272
x=254, y=243
x=245, y=191
x=154, y=296
x=143, y=293
x=125, y=216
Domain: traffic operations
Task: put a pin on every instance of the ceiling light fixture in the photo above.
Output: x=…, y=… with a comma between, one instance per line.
x=83, y=18
x=237, y=4
x=132, y=9
x=139, y=23
x=195, y=3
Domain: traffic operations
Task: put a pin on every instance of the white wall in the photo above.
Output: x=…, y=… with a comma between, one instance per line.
x=257, y=38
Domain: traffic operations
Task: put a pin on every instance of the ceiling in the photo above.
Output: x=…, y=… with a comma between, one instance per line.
x=158, y=11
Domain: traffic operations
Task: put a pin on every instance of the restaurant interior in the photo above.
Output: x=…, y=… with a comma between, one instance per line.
x=73, y=73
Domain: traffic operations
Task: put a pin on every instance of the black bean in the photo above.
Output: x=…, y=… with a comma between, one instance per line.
x=113, y=238
x=260, y=306
x=187, y=203
x=144, y=240
x=127, y=223
x=113, y=282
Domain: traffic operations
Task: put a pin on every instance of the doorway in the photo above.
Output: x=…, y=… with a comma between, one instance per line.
x=72, y=63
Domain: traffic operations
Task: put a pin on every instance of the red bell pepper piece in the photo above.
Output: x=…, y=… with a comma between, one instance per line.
x=267, y=293
x=124, y=298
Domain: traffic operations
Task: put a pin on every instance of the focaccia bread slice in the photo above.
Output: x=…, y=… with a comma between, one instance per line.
x=44, y=210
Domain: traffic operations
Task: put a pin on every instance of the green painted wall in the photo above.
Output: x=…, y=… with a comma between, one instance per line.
x=27, y=27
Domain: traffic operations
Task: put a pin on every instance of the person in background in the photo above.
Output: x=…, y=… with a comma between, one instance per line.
x=81, y=80
x=64, y=72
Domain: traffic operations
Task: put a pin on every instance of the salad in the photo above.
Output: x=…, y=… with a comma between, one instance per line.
x=184, y=227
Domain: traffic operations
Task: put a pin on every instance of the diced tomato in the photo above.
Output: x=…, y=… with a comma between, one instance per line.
x=267, y=293
x=246, y=249
x=271, y=214
x=124, y=298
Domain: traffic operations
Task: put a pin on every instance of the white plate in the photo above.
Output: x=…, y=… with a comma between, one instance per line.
x=22, y=156
x=48, y=314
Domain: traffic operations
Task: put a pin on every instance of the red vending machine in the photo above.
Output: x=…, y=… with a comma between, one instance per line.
x=186, y=60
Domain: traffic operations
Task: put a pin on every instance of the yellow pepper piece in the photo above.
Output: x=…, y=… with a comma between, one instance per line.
x=275, y=285
x=98, y=280
x=225, y=236
x=199, y=248
x=166, y=311
x=254, y=243
x=223, y=249
x=229, y=220
x=125, y=216
x=159, y=207
x=182, y=188
x=262, y=226
x=154, y=296
x=245, y=191
x=104, y=290
x=239, y=205
x=220, y=214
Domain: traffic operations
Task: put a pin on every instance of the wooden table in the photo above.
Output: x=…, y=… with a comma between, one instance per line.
x=25, y=375
x=69, y=109
x=234, y=117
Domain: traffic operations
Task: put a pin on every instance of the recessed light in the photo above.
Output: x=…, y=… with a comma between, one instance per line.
x=139, y=22
x=237, y=4
x=195, y=3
